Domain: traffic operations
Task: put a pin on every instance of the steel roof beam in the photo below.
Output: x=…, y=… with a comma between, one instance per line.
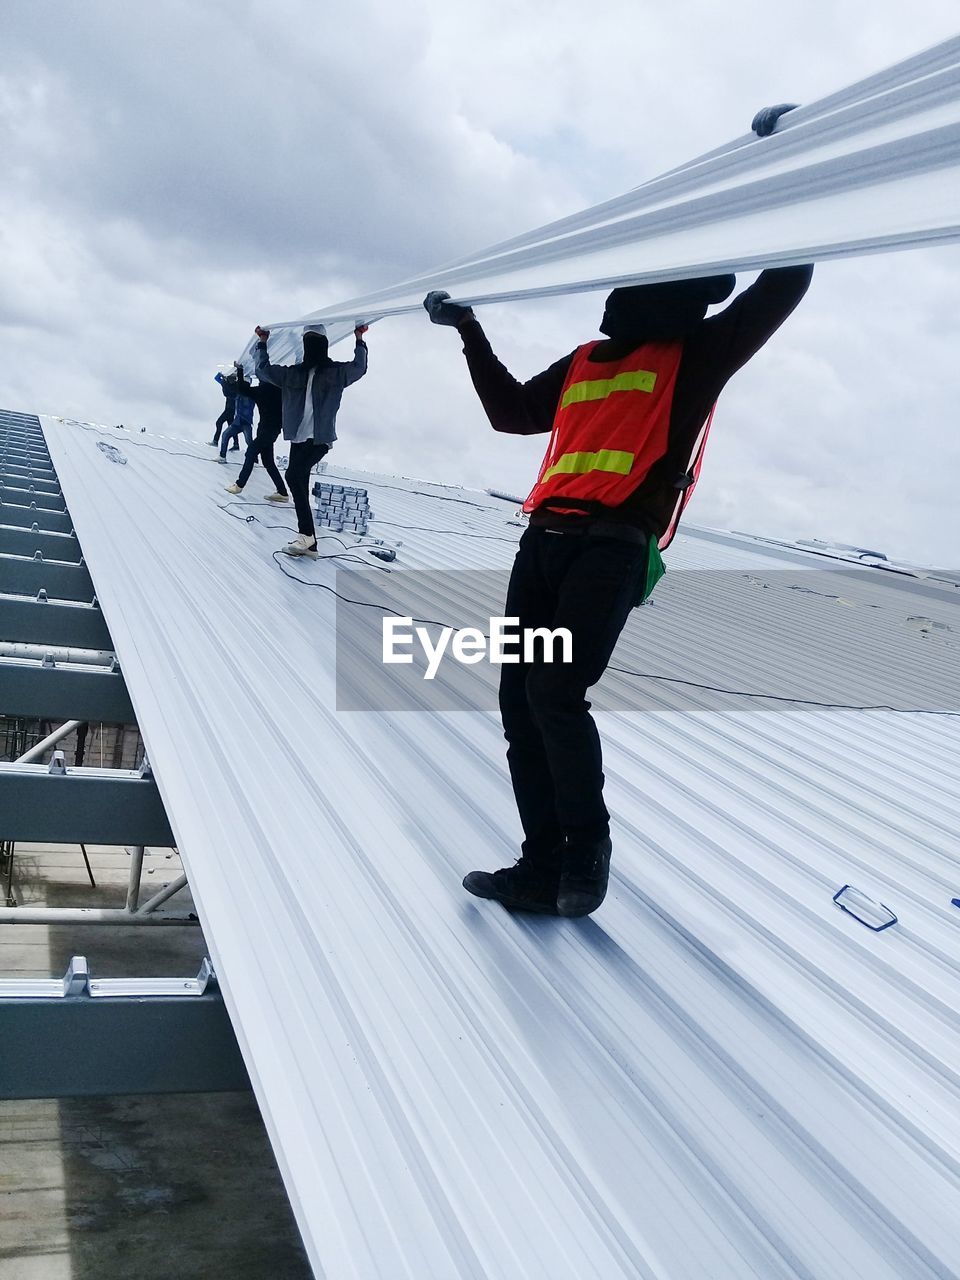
x=25, y=477
x=18, y=421
x=64, y=691
x=16, y=540
x=25, y=576
x=14, y=489
x=12, y=453
x=125, y=1036
x=24, y=495
x=89, y=806
x=74, y=625
x=19, y=472
x=14, y=444
x=26, y=516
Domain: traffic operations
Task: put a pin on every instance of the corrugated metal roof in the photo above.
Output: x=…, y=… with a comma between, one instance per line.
x=720, y=1074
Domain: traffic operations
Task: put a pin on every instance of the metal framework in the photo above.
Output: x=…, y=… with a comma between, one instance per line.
x=47, y=688
x=126, y=1035
x=55, y=804
x=57, y=664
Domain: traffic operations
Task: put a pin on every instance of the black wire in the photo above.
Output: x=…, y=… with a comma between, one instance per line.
x=365, y=604
x=346, y=554
x=636, y=675
x=140, y=444
x=416, y=493
x=782, y=697
x=456, y=533
x=252, y=519
x=287, y=528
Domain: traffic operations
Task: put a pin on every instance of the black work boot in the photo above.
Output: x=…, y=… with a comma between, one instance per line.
x=529, y=885
x=585, y=870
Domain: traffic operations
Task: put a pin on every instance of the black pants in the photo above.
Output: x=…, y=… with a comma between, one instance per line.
x=262, y=448
x=588, y=585
x=223, y=421
x=303, y=458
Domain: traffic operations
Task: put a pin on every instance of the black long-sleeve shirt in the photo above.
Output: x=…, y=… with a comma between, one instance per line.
x=717, y=348
x=268, y=399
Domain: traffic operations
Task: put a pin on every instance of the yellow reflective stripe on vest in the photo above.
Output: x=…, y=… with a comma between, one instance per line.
x=578, y=464
x=581, y=392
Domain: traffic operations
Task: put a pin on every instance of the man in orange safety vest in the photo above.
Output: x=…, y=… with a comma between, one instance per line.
x=627, y=417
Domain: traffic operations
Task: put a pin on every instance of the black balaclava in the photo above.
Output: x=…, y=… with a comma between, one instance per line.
x=315, y=350
x=662, y=312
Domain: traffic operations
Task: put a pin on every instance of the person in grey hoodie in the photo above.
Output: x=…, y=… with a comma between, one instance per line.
x=311, y=393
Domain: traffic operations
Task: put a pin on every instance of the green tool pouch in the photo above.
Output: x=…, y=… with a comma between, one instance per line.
x=655, y=571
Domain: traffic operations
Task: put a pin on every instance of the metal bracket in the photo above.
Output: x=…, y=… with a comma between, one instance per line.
x=204, y=982
x=73, y=983
x=78, y=982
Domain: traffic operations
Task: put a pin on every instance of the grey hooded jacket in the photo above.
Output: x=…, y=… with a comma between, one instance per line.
x=329, y=381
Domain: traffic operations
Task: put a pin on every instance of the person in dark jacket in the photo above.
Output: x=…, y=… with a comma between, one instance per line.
x=311, y=393
x=228, y=385
x=267, y=398
x=627, y=417
x=242, y=415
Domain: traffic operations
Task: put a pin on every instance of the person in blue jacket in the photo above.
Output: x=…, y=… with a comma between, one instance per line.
x=228, y=385
x=311, y=393
x=243, y=406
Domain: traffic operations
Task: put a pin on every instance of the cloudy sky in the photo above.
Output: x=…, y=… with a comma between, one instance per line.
x=175, y=173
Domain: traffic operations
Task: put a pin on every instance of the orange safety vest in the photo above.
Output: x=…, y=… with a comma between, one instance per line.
x=612, y=424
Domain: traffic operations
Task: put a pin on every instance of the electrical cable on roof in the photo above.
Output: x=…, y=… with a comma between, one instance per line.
x=637, y=675
x=346, y=554
x=457, y=533
x=132, y=440
x=781, y=697
x=415, y=493
x=366, y=604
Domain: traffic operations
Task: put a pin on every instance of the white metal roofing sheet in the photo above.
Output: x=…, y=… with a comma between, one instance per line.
x=719, y=1074
x=872, y=168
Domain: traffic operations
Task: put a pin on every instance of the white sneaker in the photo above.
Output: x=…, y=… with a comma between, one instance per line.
x=302, y=546
x=221, y=459
x=277, y=497
x=233, y=488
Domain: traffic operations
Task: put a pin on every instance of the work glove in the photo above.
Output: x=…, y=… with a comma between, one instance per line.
x=442, y=311
x=765, y=121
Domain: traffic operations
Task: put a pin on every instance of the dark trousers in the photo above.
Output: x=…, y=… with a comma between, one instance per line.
x=262, y=448
x=588, y=585
x=303, y=458
x=221, y=422
x=232, y=433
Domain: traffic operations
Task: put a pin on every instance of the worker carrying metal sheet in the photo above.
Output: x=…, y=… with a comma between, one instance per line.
x=311, y=394
x=268, y=399
x=627, y=417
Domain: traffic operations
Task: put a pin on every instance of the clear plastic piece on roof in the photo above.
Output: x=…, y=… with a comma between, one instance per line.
x=112, y=452
x=855, y=903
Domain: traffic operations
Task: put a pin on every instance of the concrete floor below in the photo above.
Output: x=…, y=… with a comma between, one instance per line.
x=165, y=1187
